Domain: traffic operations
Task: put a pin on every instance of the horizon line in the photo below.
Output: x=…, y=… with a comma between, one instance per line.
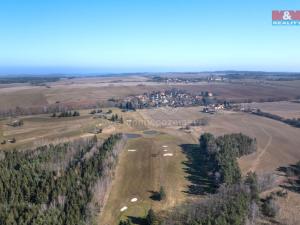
x=83, y=74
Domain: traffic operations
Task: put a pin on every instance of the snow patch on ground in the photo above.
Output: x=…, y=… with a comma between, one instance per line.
x=133, y=199
x=123, y=209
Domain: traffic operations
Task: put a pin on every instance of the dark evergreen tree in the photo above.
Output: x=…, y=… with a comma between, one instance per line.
x=162, y=193
x=151, y=218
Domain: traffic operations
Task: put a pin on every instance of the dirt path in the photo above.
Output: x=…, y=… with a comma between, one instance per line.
x=262, y=152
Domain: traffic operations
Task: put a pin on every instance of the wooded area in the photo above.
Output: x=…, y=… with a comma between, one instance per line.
x=55, y=184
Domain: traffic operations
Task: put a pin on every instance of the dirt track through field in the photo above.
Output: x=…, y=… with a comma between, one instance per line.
x=262, y=152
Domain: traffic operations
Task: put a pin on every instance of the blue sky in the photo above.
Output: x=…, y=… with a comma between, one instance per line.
x=88, y=36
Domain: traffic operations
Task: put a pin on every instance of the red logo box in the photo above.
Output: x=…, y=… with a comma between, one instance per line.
x=286, y=15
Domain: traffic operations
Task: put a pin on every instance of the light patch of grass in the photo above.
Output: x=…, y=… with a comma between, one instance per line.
x=140, y=174
x=44, y=129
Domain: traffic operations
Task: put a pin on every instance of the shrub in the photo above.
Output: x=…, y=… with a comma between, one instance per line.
x=125, y=222
x=269, y=207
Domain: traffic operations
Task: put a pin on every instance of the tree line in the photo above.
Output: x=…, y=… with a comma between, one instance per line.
x=292, y=122
x=50, y=108
x=32, y=80
x=66, y=114
x=116, y=118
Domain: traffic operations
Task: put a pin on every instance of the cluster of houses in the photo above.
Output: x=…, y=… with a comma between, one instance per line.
x=216, y=78
x=213, y=108
x=171, y=79
x=172, y=98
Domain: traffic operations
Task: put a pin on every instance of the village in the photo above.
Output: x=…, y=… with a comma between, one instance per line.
x=171, y=98
x=176, y=79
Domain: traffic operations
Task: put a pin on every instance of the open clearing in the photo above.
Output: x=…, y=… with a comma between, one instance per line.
x=140, y=174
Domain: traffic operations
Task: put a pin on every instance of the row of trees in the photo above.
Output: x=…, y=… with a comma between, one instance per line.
x=94, y=111
x=35, y=190
x=52, y=108
x=66, y=114
x=116, y=118
x=293, y=122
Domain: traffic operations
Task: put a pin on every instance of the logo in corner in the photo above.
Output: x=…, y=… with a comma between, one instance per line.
x=286, y=17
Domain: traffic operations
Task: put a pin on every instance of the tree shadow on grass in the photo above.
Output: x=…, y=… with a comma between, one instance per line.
x=199, y=169
x=137, y=220
x=155, y=196
x=292, y=172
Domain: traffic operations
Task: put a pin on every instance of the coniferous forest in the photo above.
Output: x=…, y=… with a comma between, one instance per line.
x=55, y=184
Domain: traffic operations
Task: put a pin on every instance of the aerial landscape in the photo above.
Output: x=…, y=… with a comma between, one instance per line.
x=119, y=114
